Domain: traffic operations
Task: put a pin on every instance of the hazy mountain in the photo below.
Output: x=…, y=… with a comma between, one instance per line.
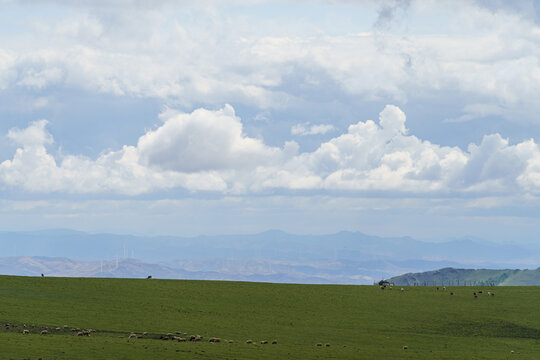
x=275, y=245
x=344, y=257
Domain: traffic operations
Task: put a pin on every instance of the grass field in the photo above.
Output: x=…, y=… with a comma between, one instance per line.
x=359, y=322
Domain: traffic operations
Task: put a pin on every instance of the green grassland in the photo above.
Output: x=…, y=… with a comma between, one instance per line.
x=359, y=322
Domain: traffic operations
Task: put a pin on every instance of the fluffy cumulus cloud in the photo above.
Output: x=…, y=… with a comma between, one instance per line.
x=207, y=150
x=307, y=129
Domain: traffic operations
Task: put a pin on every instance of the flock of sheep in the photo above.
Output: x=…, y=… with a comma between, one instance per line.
x=45, y=330
x=475, y=293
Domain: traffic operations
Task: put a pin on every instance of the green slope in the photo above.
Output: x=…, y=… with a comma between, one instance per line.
x=359, y=322
x=480, y=277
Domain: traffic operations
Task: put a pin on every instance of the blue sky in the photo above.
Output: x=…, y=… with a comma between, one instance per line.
x=392, y=118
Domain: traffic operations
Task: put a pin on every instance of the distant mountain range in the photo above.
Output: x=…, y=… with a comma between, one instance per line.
x=469, y=277
x=342, y=258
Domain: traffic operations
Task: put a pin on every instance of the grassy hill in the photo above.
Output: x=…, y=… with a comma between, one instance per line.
x=359, y=322
x=451, y=276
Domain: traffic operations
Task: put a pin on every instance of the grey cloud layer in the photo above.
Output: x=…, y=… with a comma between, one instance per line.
x=207, y=151
x=214, y=60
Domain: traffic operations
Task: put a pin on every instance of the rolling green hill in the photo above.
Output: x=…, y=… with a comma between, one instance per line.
x=358, y=322
x=480, y=277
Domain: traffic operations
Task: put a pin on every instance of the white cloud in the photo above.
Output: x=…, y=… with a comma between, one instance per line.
x=307, y=129
x=212, y=59
x=201, y=141
x=207, y=150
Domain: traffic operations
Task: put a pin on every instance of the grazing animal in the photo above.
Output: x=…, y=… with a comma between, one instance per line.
x=264, y=342
x=181, y=339
x=214, y=340
x=489, y=292
x=402, y=289
x=274, y=342
x=492, y=294
x=382, y=287
x=25, y=332
x=480, y=292
x=437, y=288
x=131, y=336
x=474, y=293
x=81, y=334
x=149, y=277
x=319, y=344
x=444, y=288
x=390, y=288
x=145, y=333
x=476, y=296
x=327, y=345
x=452, y=293
x=249, y=341
x=405, y=347
x=44, y=332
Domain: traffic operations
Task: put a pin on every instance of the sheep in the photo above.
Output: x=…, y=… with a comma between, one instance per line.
x=44, y=332
x=389, y=288
x=327, y=345
x=81, y=334
x=489, y=293
x=480, y=292
x=181, y=339
x=437, y=288
x=402, y=289
x=444, y=288
x=274, y=342
x=132, y=336
x=452, y=293
x=476, y=296
x=178, y=333
x=405, y=347
x=145, y=333
x=249, y=341
x=230, y=341
x=66, y=327
x=319, y=344
x=58, y=329
x=264, y=342
x=382, y=287
x=195, y=338
x=25, y=332
x=492, y=294
x=214, y=340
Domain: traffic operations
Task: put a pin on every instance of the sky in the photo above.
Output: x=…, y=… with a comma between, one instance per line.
x=394, y=118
